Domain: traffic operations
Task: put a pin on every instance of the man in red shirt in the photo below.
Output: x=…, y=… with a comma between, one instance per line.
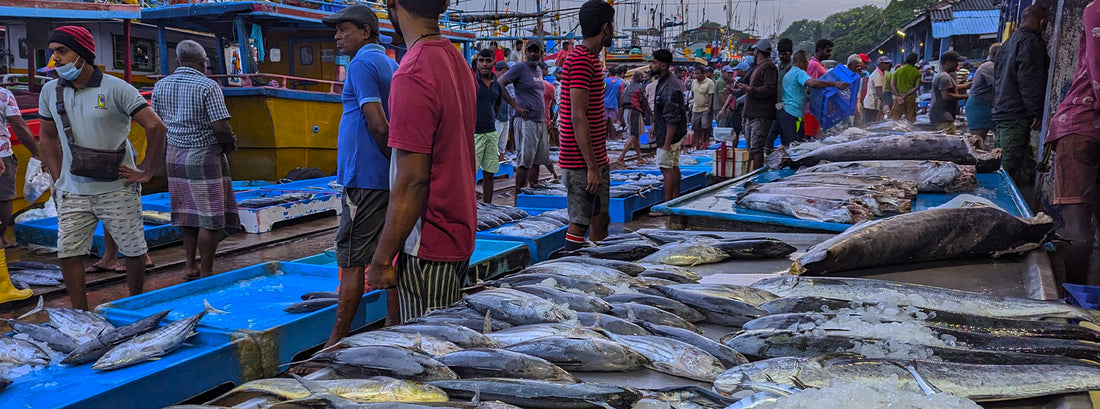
x=583, y=157
x=823, y=50
x=432, y=215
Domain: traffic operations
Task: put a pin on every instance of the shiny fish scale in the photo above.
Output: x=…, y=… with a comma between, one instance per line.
x=20, y=352
x=78, y=324
x=377, y=389
x=674, y=357
x=149, y=345
x=523, y=333
x=420, y=343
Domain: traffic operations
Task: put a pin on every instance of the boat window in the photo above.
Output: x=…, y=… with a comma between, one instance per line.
x=141, y=50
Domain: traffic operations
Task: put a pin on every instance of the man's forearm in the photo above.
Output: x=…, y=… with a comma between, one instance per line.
x=154, y=151
x=381, y=137
x=408, y=195
x=23, y=133
x=670, y=131
x=50, y=151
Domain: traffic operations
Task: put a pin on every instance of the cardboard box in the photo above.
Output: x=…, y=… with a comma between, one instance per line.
x=730, y=162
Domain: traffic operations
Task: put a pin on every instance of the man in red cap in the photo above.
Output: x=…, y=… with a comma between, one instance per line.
x=85, y=123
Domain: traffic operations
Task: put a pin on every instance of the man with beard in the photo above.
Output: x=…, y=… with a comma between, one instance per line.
x=529, y=123
x=584, y=128
x=432, y=216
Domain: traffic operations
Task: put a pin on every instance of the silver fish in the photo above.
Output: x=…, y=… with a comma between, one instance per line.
x=55, y=339
x=457, y=334
x=922, y=296
x=541, y=394
x=638, y=312
x=673, y=357
x=416, y=342
x=401, y=363
x=667, y=304
x=741, y=293
x=20, y=352
x=686, y=254
x=718, y=310
x=582, y=354
x=623, y=266
x=153, y=344
x=516, y=307
x=605, y=275
x=523, y=333
x=576, y=302
x=500, y=363
x=78, y=324
x=728, y=356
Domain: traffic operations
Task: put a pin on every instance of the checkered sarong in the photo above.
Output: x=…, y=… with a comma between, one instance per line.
x=200, y=188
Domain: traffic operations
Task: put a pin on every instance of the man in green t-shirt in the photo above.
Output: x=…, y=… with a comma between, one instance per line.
x=905, y=84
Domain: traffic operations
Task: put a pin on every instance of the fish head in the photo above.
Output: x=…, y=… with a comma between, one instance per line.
x=778, y=285
x=736, y=379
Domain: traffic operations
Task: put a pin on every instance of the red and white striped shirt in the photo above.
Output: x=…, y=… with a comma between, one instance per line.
x=582, y=69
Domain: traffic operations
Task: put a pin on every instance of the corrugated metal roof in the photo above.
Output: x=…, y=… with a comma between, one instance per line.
x=968, y=23
x=945, y=12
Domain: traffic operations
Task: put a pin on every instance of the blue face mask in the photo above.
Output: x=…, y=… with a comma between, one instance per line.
x=68, y=71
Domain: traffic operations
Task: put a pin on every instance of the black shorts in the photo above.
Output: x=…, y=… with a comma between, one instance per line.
x=360, y=226
x=425, y=285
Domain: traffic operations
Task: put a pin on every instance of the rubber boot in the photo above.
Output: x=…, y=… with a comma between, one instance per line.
x=8, y=292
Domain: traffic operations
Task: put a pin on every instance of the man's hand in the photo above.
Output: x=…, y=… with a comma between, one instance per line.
x=522, y=112
x=594, y=181
x=842, y=85
x=133, y=175
x=381, y=276
x=3, y=167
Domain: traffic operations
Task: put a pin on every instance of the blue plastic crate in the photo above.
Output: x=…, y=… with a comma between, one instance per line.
x=239, y=185
x=43, y=232
x=318, y=184
x=255, y=298
x=539, y=247
x=1084, y=296
x=204, y=362
x=485, y=252
x=831, y=105
x=506, y=169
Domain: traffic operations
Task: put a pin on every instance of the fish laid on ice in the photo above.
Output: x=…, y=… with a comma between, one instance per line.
x=96, y=347
x=582, y=354
x=78, y=324
x=951, y=148
x=53, y=338
x=152, y=344
x=541, y=394
x=923, y=296
x=500, y=363
x=929, y=235
x=929, y=175
x=19, y=352
x=721, y=310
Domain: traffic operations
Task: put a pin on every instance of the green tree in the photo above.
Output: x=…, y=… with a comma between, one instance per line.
x=858, y=29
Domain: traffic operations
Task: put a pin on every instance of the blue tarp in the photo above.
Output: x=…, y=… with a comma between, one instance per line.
x=971, y=22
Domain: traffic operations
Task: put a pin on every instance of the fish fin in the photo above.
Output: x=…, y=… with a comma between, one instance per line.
x=153, y=358
x=798, y=382
x=418, y=343
x=1026, y=247
x=312, y=386
x=41, y=306
x=211, y=309
x=603, y=405
x=488, y=326
x=477, y=396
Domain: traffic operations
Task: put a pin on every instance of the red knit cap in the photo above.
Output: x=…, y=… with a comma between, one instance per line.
x=77, y=38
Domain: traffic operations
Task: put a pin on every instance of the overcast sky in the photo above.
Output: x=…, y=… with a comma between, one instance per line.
x=768, y=12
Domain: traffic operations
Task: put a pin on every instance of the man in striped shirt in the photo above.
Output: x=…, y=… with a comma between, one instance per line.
x=584, y=127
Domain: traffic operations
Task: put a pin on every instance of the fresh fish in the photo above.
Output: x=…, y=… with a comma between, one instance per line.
x=684, y=274
x=420, y=343
x=35, y=280
x=376, y=389
x=668, y=277
x=500, y=363
x=267, y=201
x=656, y=281
x=638, y=312
x=771, y=343
x=312, y=305
x=747, y=249
x=686, y=254
x=734, y=292
x=556, y=281
x=755, y=401
x=78, y=324
x=806, y=207
x=152, y=344
x=319, y=295
x=949, y=148
x=98, y=346
x=32, y=265
x=19, y=352
x=534, y=394
x=44, y=273
x=799, y=304
x=524, y=333
x=623, y=266
x=457, y=334
x=514, y=212
x=879, y=203
x=622, y=252
x=401, y=363
x=610, y=323
x=155, y=218
x=691, y=394
x=728, y=356
x=463, y=316
x=667, y=304
x=972, y=381
x=582, y=354
x=672, y=236
x=929, y=235
x=906, y=189
x=516, y=307
x=576, y=302
x=673, y=357
x=605, y=275
x=55, y=339
x=921, y=296
x=929, y=176
x=718, y=310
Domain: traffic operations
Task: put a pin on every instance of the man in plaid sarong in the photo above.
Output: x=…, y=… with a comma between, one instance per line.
x=199, y=136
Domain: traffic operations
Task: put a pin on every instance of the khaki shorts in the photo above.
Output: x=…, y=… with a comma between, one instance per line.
x=671, y=158
x=486, y=154
x=120, y=212
x=1075, y=170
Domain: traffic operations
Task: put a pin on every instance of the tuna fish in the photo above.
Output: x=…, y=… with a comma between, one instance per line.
x=95, y=348
x=401, y=363
x=78, y=324
x=930, y=235
x=55, y=339
x=541, y=394
x=516, y=307
x=610, y=323
x=728, y=356
x=667, y=304
x=623, y=266
x=457, y=334
x=949, y=148
x=576, y=302
x=377, y=389
x=686, y=254
x=638, y=312
x=755, y=248
x=582, y=354
x=623, y=252
x=930, y=176
x=605, y=275
x=152, y=344
x=523, y=333
x=734, y=292
x=420, y=343
x=461, y=316
x=19, y=352
x=310, y=305
x=499, y=363
x=556, y=281
x=718, y=310
x=806, y=207
x=673, y=357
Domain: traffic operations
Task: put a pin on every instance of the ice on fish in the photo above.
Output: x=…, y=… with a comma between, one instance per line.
x=847, y=395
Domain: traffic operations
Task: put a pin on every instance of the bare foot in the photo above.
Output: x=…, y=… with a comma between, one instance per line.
x=103, y=265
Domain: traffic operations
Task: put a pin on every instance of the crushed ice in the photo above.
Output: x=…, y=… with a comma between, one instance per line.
x=885, y=395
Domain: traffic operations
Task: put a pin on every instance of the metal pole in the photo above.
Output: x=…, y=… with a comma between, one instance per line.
x=128, y=60
x=538, y=22
x=162, y=44
x=32, y=69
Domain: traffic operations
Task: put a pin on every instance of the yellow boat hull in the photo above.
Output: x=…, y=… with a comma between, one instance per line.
x=280, y=130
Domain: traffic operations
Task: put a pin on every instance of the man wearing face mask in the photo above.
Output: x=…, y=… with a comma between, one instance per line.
x=528, y=125
x=432, y=215
x=85, y=122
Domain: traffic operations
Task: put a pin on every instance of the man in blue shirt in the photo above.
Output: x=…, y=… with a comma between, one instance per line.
x=362, y=154
x=614, y=86
x=490, y=97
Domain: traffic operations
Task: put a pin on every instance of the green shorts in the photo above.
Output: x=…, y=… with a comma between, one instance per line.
x=485, y=151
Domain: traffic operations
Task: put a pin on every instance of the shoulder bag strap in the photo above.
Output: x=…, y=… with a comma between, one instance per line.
x=63, y=113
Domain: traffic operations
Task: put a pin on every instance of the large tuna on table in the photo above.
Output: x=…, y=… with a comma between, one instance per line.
x=931, y=176
x=895, y=147
x=929, y=235
x=807, y=207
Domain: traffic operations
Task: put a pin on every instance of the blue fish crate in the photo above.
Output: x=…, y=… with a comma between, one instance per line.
x=240, y=185
x=539, y=247
x=254, y=298
x=318, y=185
x=491, y=259
x=717, y=203
x=507, y=169
x=43, y=232
x=205, y=362
x=1084, y=296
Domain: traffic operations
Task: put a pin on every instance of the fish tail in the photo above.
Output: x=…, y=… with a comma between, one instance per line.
x=211, y=309
x=41, y=306
x=1092, y=316
x=488, y=326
